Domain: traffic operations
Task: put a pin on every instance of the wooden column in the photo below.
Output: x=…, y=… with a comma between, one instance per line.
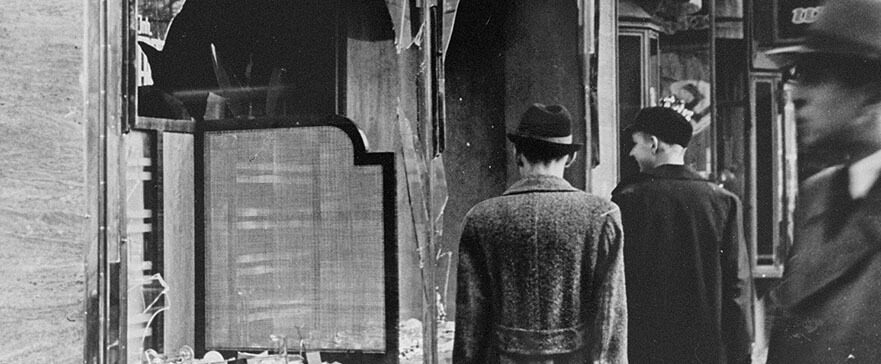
x=604, y=177
x=104, y=112
x=542, y=65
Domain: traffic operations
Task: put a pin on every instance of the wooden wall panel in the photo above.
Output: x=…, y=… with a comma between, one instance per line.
x=377, y=94
x=372, y=91
x=178, y=249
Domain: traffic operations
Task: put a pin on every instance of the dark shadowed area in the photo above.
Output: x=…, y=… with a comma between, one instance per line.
x=41, y=181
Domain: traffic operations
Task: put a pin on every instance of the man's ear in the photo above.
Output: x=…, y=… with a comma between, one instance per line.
x=656, y=144
x=516, y=154
x=572, y=157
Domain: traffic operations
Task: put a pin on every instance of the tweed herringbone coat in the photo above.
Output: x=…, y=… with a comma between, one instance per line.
x=828, y=304
x=541, y=278
x=689, y=279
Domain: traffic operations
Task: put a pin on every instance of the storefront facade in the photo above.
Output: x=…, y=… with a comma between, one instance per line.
x=422, y=90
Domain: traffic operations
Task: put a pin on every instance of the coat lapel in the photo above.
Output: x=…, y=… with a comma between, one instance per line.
x=822, y=256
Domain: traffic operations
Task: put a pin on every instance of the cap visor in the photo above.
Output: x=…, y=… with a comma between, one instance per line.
x=787, y=56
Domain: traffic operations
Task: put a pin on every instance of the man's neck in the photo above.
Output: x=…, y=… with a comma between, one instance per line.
x=552, y=169
x=668, y=158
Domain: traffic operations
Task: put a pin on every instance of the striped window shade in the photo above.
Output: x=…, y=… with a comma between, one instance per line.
x=294, y=241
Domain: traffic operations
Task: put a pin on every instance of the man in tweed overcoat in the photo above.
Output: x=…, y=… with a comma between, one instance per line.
x=541, y=270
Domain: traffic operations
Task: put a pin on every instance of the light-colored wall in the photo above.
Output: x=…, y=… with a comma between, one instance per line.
x=178, y=237
x=604, y=177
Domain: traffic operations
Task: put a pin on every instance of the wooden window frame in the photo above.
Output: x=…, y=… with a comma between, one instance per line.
x=783, y=179
x=361, y=157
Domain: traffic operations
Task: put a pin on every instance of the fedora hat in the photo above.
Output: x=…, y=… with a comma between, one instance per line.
x=847, y=28
x=548, y=126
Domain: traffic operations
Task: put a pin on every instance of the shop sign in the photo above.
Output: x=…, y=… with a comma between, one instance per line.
x=793, y=17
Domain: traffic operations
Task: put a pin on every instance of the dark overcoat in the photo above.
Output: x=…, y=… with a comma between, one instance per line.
x=689, y=282
x=828, y=304
x=541, y=278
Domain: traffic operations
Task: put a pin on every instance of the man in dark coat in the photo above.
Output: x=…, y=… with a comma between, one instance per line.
x=689, y=282
x=541, y=270
x=828, y=304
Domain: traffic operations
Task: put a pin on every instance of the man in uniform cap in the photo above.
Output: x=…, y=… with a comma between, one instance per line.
x=689, y=283
x=541, y=268
x=827, y=307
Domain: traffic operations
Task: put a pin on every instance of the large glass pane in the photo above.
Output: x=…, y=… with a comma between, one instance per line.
x=768, y=151
x=630, y=90
x=687, y=74
x=294, y=241
x=213, y=59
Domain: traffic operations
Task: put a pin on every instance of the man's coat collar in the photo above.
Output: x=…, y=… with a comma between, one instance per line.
x=825, y=260
x=540, y=183
x=666, y=171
